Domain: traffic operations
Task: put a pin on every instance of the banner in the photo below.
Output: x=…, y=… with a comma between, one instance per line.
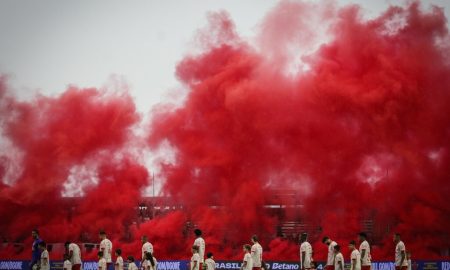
x=228, y=265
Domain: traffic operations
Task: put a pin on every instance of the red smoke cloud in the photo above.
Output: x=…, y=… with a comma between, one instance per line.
x=361, y=133
x=81, y=126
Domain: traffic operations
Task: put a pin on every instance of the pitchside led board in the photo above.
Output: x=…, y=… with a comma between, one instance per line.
x=232, y=265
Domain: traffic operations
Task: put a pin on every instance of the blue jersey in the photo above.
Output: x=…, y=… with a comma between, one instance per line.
x=35, y=251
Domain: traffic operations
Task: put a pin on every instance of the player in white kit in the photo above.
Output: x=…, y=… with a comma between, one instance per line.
x=131, y=263
x=67, y=265
x=102, y=264
x=209, y=262
x=45, y=258
x=355, y=256
x=106, y=248
x=364, y=250
x=74, y=252
x=401, y=263
x=247, y=263
x=338, y=258
x=119, y=260
x=150, y=262
x=200, y=243
x=195, y=259
x=146, y=246
x=331, y=254
x=305, y=252
x=256, y=253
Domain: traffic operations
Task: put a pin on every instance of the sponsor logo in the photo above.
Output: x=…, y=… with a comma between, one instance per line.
x=231, y=265
x=169, y=265
x=272, y=266
x=285, y=266
x=383, y=266
x=90, y=266
x=11, y=265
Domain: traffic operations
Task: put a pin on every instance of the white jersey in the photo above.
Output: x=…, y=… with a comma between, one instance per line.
x=257, y=255
x=200, y=242
x=249, y=260
x=106, y=247
x=45, y=260
x=195, y=258
x=67, y=265
x=355, y=256
x=148, y=265
x=398, y=254
x=366, y=260
x=76, y=253
x=330, y=258
x=119, y=263
x=307, y=248
x=102, y=264
x=337, y=260
x=146, y=247
x=210, y=264
x=132, y=266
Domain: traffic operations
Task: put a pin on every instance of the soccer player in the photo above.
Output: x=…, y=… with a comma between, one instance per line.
x=247, y=263
x=119, y=260
x=209, y=262
x=338, y=258
x=355, y=257
x=195, y=259
x=401, y=263
x=200, y=243
x=102, y=264
x=149, y=262
x=67, y=264
x=106, y=248
x=74, y=253
x=131, y=263
x=331, y=254
x=257, y=252
x=35, y=251
x=146, y=247
x=364, y=250
x=305, y=252
x=45, y=259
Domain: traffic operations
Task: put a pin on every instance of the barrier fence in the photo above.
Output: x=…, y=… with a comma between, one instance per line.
x=229, y=265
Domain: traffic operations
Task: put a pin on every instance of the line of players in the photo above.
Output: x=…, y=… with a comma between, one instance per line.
x=252, y=255
x=72, y=257
x=360, y=258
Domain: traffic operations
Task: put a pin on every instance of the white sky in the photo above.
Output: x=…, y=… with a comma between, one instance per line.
x=46, y=45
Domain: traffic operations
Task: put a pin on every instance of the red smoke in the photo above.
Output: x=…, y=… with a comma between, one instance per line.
x=81, y=126
x=362, y=133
